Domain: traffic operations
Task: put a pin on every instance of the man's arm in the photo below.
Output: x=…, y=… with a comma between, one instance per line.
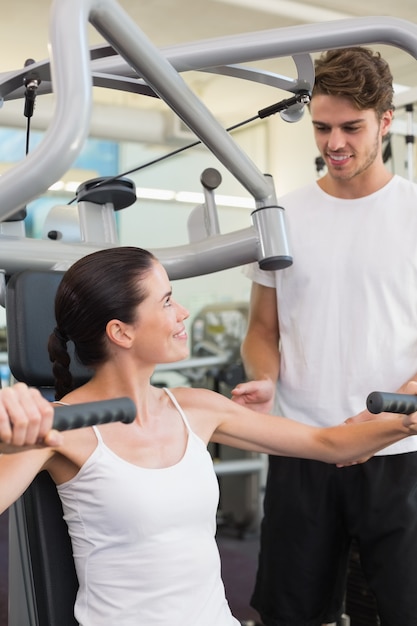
x=260, y=351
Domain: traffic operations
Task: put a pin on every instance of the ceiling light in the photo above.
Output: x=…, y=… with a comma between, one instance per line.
x=155, y=194
x=287, y=8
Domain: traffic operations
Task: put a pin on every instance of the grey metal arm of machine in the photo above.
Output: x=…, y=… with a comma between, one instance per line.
x=71, y=79
x=109, y=70
x=222, y=54
x=68, y=130
x=255, y=243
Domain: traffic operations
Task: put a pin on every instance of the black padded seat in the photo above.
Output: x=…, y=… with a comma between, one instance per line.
x=42, y=578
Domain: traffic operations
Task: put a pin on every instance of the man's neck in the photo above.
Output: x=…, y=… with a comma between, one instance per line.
x=357, y=187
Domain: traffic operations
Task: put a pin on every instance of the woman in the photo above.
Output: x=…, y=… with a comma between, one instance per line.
x=140, y=499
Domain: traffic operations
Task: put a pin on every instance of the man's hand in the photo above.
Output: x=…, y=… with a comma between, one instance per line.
x=410, y=421
x=257, y=395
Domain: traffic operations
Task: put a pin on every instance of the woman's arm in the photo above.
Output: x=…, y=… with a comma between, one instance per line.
x=344, y=444
x=25, y=439
x=17, y=471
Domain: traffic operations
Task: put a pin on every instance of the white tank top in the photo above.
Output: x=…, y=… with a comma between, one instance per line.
x=144, y=540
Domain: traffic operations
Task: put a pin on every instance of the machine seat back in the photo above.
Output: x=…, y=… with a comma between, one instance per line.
x=42, y=578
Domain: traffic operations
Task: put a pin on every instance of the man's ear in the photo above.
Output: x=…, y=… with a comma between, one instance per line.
x=119, y=333
x=386, y=122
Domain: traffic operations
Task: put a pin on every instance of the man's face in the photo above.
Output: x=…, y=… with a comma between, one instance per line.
x=349, y=139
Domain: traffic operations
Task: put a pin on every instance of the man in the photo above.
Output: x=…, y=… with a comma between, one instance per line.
x=339, y=323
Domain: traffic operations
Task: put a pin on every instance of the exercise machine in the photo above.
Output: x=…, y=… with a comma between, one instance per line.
x=129, y=61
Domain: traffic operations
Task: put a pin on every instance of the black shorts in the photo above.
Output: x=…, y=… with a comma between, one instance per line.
x=312, y=512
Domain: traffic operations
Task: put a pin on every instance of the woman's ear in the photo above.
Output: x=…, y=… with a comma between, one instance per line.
x=119, y=333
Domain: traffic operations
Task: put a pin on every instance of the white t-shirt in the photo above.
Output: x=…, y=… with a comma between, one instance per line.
x=348, y=305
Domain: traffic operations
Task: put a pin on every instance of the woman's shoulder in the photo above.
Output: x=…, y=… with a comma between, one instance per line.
x=77, y=447
x=194, y=394
x=205, y=409
x=198, y=399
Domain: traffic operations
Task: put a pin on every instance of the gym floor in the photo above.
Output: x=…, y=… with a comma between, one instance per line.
x=239, y=560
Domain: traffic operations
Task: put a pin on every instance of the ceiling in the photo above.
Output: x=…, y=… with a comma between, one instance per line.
x=25, y=27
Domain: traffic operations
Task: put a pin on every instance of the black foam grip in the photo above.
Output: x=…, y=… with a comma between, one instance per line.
x=382, y=401
x=90, y=413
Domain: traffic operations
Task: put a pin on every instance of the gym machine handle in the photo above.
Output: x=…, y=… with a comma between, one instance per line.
x=381, y=401
x=90, y=413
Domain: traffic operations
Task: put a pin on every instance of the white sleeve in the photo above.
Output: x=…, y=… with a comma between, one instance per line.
x=263, y=277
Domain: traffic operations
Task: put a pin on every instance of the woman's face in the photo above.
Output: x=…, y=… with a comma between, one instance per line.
x=160, y=330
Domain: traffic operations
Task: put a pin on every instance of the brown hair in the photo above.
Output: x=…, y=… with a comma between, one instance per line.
x=358, y=74
x=99, y=287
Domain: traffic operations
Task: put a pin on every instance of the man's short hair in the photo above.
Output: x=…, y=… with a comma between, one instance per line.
x=358, y=74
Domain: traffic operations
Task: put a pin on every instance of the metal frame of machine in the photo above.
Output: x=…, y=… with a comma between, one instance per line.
x=133, y=63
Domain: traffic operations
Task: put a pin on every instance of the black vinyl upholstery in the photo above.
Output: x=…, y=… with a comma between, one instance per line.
x=30, y=318
x=40, y=546
x=49, y=554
